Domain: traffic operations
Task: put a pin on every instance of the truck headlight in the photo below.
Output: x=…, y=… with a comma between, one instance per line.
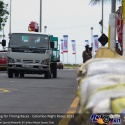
x=45, y=62
x=10, y=60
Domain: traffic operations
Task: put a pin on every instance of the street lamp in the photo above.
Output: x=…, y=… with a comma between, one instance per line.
x=10, y=17
x=92, y=41
x=45, y=28
x=3, y=24
x=40, y=16
x=91, y=36
x=102, y=16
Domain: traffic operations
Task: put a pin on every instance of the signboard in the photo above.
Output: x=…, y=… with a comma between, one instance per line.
x=73, y=46
x=61, y=46
x=96, y=43
x=103, y=39
x=65, y=43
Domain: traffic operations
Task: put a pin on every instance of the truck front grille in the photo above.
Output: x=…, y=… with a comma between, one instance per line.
x=27, y=61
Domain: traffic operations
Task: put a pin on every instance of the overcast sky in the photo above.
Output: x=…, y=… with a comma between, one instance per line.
x=62, y=17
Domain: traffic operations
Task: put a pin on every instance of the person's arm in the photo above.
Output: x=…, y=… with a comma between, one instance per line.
x=84, y=57
x=82, y=54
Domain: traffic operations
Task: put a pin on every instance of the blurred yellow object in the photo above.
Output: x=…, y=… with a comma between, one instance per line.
x=106, y=52
x=118, y=105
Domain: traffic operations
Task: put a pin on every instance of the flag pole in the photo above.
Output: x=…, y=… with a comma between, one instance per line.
x=67, y=57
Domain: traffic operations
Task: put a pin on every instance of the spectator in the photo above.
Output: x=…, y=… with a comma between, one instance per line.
x=87, y=54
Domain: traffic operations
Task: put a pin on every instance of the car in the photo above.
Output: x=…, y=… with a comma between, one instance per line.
x=60, y=65
x=3, y=60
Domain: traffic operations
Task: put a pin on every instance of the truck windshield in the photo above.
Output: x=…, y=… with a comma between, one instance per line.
x=29, y=40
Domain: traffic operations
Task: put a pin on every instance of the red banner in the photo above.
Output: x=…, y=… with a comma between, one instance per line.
x=119, y=26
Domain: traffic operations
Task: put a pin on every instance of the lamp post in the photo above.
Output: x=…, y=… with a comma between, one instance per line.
x=45, y=28
x=3, y=24
x=92, y=41
x=112, y=25
x=102, y=16
x=91, y=36
x=40, y=16
x=10, y=17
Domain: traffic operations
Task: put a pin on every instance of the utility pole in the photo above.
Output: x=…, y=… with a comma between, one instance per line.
x=102, y=16
x=112, y=24
x=45, y=28
x=113, y=9
x=40, y=16
x=92, y=41
x=10, y=17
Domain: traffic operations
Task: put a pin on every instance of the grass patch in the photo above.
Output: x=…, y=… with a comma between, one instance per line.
x=72, y=66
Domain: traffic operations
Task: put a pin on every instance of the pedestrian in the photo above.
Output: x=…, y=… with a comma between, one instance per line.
x=87, y=54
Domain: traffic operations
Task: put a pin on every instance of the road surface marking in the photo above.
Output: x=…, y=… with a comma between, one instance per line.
x=73, y=106
x=71, y=111
x=5, y=90
x=2, y=90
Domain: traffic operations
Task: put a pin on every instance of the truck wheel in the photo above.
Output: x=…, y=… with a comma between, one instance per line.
x=10, y=73
x=47, y=75
x=54, y=70
x=16, y=74
x=21, y=75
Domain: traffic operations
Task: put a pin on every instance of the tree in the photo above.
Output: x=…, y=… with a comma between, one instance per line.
x=3, y=13
x=94, y=2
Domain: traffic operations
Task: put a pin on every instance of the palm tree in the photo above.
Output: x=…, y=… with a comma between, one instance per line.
x=94, y=2
x=113, y=6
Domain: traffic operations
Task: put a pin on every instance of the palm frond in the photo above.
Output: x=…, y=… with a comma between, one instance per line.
x=94, y=2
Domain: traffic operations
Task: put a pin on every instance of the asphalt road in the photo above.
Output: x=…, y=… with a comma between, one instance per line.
x=34, y=94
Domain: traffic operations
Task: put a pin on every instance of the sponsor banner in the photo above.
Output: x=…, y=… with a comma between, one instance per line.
x=96, y=43
x=119, y=26
x=65, y=43
x=73, y=46
x=61, y=46
x=86, y=42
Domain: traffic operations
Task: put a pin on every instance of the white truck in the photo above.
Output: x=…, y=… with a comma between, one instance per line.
x=32, y=53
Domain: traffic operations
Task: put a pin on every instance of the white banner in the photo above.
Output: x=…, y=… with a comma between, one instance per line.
x=96, y=42
x=86, y=42
x=61, y=46
x=65, y=43
x=73, y=46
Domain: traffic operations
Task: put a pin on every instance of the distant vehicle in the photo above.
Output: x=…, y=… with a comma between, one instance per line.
x=3, y=60
x=32, y=53
x=60, y=65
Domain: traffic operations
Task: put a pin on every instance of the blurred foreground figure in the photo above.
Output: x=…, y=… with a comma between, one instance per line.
x=87, y=54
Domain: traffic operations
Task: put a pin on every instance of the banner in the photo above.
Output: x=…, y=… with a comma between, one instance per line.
x=96, y=43
x=73, y=46
x=65, y=43
x=86, y=42
x=61, y=46
x=119, y=26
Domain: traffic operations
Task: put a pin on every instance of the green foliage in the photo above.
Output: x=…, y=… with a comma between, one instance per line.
x=3, y=13
x=94, y=2
x=71, y=66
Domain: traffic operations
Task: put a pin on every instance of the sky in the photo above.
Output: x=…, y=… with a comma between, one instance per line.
x=62, y=17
